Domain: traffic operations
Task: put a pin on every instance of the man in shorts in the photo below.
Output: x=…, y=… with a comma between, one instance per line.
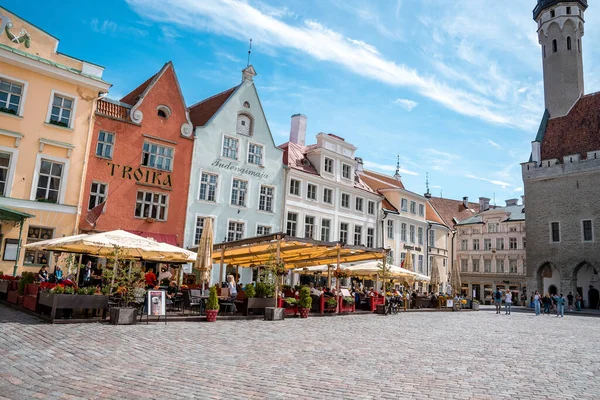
x=498, y=300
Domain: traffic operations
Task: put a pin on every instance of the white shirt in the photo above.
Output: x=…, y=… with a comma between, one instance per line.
x=508, y=298
x=536, y=297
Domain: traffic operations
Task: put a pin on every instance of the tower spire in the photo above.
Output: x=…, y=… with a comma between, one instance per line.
x=427, y=194
x=249, y=52
x=397, y=174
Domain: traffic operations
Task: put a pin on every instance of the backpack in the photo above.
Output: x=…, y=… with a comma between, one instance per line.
x=498, y=295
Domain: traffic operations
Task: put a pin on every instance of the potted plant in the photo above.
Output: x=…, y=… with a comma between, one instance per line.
x=304, y=302
x=475, y=304
x=331, y=302
x=124, y=276
x=212, y=305
x=249, y=291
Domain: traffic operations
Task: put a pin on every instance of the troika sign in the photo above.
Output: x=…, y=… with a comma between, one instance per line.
x=239, y=170
x=142, y=175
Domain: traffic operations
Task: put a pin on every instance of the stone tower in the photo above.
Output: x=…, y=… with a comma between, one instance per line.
x=560, y=32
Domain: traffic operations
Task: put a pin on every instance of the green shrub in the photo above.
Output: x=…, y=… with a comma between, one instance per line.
x=81, y=291
x=213, y=300
x=331, y=302
x=26, y=279
x=305, y=301
x=264, y=289
x=349, y=299
x=249, y=291
x=290, y=301
x=69, y=290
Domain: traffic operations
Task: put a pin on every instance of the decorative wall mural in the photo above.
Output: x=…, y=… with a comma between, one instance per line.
x=22, y=38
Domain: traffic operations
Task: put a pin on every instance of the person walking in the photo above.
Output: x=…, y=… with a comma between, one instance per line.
x=570, y=301
x=560, y=306
x=536, y=303
x=546, y=302
x=578, y=299
x=507, y=302
x=498, y=300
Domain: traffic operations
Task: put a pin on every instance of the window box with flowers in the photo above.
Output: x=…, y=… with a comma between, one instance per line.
x=347, y=304
x=67, y=297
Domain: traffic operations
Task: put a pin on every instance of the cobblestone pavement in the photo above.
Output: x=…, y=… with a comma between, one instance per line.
x=462, y=355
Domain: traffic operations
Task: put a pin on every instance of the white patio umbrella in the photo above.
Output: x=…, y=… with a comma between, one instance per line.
x=204, y=256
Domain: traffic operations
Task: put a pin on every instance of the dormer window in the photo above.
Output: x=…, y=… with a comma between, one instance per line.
x=163, y=111
x=244, y=125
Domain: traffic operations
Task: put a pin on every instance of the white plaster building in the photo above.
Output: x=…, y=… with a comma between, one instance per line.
x=237, y=174
x=491, y=250
x=325, y=198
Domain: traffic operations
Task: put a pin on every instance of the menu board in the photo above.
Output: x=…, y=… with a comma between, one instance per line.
x=156, y=302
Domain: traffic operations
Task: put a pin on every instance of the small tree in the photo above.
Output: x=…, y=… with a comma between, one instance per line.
x=249, y=290
x=305, y=301
x=213, y=300
x=125, y=274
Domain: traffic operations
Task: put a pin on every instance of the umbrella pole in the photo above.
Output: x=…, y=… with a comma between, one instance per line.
x=337, y=281
x=221, y=267
x=329, y=275
x=277, y=260
x=78, y=269
x=115, y=268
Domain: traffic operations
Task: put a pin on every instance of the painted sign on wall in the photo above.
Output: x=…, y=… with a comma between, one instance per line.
x=140, y=174
x=239, y=170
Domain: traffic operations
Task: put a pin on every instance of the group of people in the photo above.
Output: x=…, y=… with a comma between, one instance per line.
x=505, y=295
x=88, y=275
x=555, y=303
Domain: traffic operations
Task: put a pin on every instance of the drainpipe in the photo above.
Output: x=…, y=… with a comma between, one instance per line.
x=286, y=171
x=427, y=250
x=383, y=229
x=88, y=144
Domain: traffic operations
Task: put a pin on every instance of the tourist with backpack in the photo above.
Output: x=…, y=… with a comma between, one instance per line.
x=507, y=302
x=498, y=300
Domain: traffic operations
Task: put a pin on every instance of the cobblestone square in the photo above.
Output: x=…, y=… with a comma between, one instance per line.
x=428, y=355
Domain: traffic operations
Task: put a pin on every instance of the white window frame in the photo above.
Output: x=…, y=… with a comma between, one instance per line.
x=431, y=237
x=559, y=233
x=371, y=235
x=328, y=239
x=485, y=269
x=150, y=143
x=14, y=155
x=404, y=205
x=204, y=217
x=420, y=236
x=500, y=244
x=464, y=265
x=370, y=205
x=349, y=173
x=582, y=231
x=500, y=262
x=342, y=199
x=64, y=179
x=487, y=241
x=223, y=147
x=421, y=210
x=246, y=193
x=325, y=165
x=269, y=227
x=167, y=203
x=413, y=207
x=360, y=200
x=112, y=145
x=403, y=232
x=237, y=221
x=359, y=233
x=105, y=195
x=512, y=240
x=475, y=264
x=273, y=197
x=70, y=96
x=299, y=194
x=390, y=229
x=314, y=226
x=478, y=247
x=464, y=244
x=25, y=85
x=202, y=172
x=262, y=154
x=347, y=231
x=287, y=222
x=332, y=196
x=316, y=191
x=412, y=232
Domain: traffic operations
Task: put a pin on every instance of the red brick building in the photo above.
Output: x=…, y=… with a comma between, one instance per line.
x=139, y=162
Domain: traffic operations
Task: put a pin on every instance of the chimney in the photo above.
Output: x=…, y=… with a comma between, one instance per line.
x=512, y=202
x=298, y=129
x=359, y=164
x=484, y=204
x=466, y=202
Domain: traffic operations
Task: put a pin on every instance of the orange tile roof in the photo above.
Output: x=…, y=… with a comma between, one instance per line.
x=449, y=209
x=203, y=111
x=432, y=215
x=294, y=156
x=388, y=206
x=134, y=95
x=381, y=181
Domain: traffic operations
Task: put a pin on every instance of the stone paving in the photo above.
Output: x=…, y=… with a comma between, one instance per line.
x=443, y=355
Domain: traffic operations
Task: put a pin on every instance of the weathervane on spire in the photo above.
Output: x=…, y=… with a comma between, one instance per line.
x=249, y=52
x=397, y=174
x=427, y=194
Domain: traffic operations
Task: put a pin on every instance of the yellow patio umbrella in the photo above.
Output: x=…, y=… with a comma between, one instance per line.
x=455, y=281
x=408, y=265
x=435, y=275
x=204, y=256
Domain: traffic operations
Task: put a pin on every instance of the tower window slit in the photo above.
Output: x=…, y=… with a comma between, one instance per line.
x=554, y=46
x=569, y=43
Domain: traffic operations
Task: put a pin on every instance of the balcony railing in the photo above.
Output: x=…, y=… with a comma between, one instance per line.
x=112, y=110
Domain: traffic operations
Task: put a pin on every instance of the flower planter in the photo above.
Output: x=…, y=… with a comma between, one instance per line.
x=346, y=307
x=274, y=314
x=20, y=300
x=259, y=303
x=32, y=289
x=475, y=306
x=30, y=302
x=123, y=316
x=13, y=285
x=4, y=286
x=211, y=315
x=304, y=312
x=72, y=301
x=12, y=296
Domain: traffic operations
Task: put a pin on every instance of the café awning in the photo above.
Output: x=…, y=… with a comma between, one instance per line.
x=294, y=252
x=13, y=216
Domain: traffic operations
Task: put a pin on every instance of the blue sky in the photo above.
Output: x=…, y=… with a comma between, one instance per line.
x=454, y=87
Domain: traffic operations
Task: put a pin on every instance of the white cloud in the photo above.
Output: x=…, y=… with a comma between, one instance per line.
x=388, y=168
x=408, y=105
x=323, y=44
x=519, y=189
x=494, y=144
x=229, y=57
x=111, y=27
x=502, y=184
x=440, y=160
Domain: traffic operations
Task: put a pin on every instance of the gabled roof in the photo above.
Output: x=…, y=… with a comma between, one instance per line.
x=431, y=215
x=387, y=206
x=203, y=111
x=451, y=210
x=138, y=94
x=576, y=133
x=514, y=213
x=379, y=181
x=294, y=156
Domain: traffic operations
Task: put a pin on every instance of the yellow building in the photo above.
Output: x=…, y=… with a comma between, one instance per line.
x=46, y=119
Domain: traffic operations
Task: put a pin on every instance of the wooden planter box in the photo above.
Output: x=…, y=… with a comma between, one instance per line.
x=258, y=303
x=4, y=286
x=13, y=296
x=72, y=301
x=289, y=309
x=374, y=301
x=345, y=307
x=30, y=302
x=31, y=289
x=123, y=316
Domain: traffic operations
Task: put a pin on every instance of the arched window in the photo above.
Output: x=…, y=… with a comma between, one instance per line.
x=162, y=114
x=569, y=43
x=554, y=46
x=244, y=125
x=163, y=111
